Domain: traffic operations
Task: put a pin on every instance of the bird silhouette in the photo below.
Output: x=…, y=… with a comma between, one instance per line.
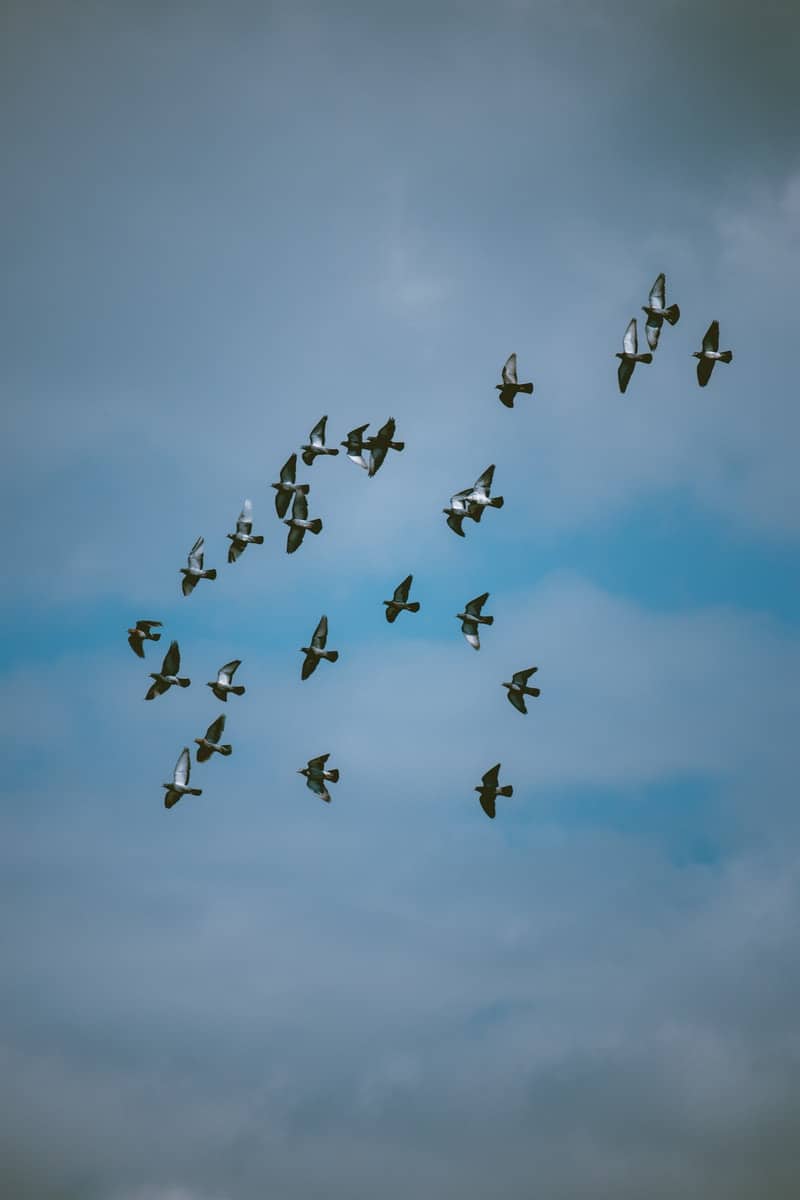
x=490, y=789
x=167, y=677
x=710, y=354
x=509, y=388
x=399, y=602
x=180, y=780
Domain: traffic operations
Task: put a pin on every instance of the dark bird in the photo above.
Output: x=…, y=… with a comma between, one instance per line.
x=489, y=790
x=380, y=445
x=299, y=523
x=222, y=685
x=518, y=689
x=657, y=312
x=195, y=571
x=630, y=355
x=471, y=618
x=287, y=488
x=710, y=354
x=316, y=776
x=354, y=444
x=180, y=781
x=140, y=633
x=317, y=444
x=244, y=534
x=168, y=675
x=399, y=601
x=316, y=650
x=509, y=388
x=209, y=744
x=478, y=498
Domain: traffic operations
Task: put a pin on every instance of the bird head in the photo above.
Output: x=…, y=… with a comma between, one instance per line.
x=697, y=354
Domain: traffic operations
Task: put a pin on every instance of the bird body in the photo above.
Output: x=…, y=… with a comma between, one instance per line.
x=630, y=355
x=316, y=443
x=510, y=388
x=471, y=618
x=317, y=776
x=222, y=686
x=286, y=488
x=399, y=602
x=658, y=312
x=180, y=781
x=141, y=633
x=490, y=789
x=244, y=535
x=194, y=571
x=518, y=688
x=210, y=744
x=299, y=523
x=710, y=354
x=317, y=650
x=167, y=677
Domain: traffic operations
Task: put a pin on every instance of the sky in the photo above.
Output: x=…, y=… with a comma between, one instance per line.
x=220, y=221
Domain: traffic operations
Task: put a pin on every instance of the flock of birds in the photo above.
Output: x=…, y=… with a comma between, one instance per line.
x=370, y=454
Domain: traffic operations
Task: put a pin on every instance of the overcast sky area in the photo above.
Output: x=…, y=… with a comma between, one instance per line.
x=220, y=221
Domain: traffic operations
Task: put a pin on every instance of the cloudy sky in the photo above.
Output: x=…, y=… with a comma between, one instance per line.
x=218, y=222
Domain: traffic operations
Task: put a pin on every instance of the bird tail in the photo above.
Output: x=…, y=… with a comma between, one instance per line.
x=238, y=691
x=226, y=749
x=726, y=356
x=155, y=637
x=527, y=388
x=497, y=502
x=397, y=445
x=672, y=314
x=532, y=691
x=508, y=790
x=413, y=606
x=184, y=682
x=488, y=621
x=258, y=541
x=644, y=358
x=316, y=525
x=195, y=791
x=212, y=574
x=331, y=655
x=333, y=775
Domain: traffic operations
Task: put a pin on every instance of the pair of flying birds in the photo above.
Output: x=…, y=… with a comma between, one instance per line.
x=168, y=676
x=210, y=744
x=472, y=502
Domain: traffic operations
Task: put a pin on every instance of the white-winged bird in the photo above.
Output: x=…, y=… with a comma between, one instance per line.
x=710, y=354
x=630, y=355
x=222, y=686
x=509, y=388
x=471, y=618
x=168, y=675
x=180, y=781
x=316, y=444
x=380, y=445
x=354, y=444
x=316, y=650
x=489, y=790
x=518, y=689
x=316, y=776
x=657, y=312
x=140, y=633
x=210, y=744
x=287, y=488
x=399, y=601
x=195, y=571
x=244, y=534
x=478, y=498
x=299, y=523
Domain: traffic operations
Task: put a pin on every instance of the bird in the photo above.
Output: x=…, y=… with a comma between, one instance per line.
x=209, y=744
x=195, y=571
x=478, y=498
x=317, y=443
x=518, y=689
x=180, y=780
x=140, y=633
x=168, y=675
x=630, y=355
x=458, y=509
x=657, y=312
x=380, y=445
x=471, y=618
x=488, y=791
x=354, y=444
x=299, y=523
x=710, y=354
x=316, y=775
x=287, y=488
x=399, y=601
x=222, y=685
x=509, y=388
x=316, y=650
x=244, y=535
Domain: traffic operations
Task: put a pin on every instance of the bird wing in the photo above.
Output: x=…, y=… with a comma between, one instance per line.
x=288, y=469
x=492, y=777
x=225, y=674
x=484, y=483
x=401, y=591
x=171, y=798
x=299, y=507
x=188, y=584
x=196, y=555
x=518, y=700
x=459, y=501
x=318, y=786
x=235, y=550
x=630, y=342
x=487, y=804
x=711, y=337
x=147, y=625
x=391, y=613
x=172, y=660
x=470, y=632
x=474, y=607
x=522, y=677
x=652, y=330
x=510, y=369
x=657, y=293
x=309, y=666
x=455, y=522
x=317, y=435
x=136, y=645
x=386, y=432
x=182, y=768
x=214, y=731
x=704, y=368
x=377, y=455
x=319, y=761
x=294, y=539
x=320, y=634
x=282, y=503
x=245, y=521
x=624, y=372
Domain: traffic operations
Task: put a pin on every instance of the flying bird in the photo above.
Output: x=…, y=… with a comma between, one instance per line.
x=471, y=618
x=509, y=388
x=244, y=534
x=354, y=444
x=287, y=488
x=316, y=776
x=317, y=443
x=478, y=498
x=657, y=312
x=195, y=571
x=489, y=790
x=209, y=744
x=140, y=633
x=710, y=354
x=518, y=689
x=168, y=675
x=380, y=445
x=399, y=601
x=180, y=781
x=458, y=509
x=299, y=523
x=630, y=355
x=222, y=685
x=316, y=650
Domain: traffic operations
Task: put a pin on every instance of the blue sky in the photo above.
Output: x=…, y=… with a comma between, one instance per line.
x=220, y=222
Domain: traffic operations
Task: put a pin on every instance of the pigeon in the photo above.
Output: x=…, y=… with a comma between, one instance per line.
x=287, y=488
x=657, y=312
x=399, y=601
x=195, y=571
x=168, y=674
x=354, y=444
x=317, y=650
x=471, y=618
x=710, y=354
x=316, y=775
x=222, y=685
x=630, y=355
x=488, y=791
x=180, y=780
x=459, y=509
x=299, y=523
x=140, y=633
x=209, y=744
x=518, y=689
x=317, y=443
x=478, y=498
x=509, y=388
x=243, y=536
x=380, y=445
